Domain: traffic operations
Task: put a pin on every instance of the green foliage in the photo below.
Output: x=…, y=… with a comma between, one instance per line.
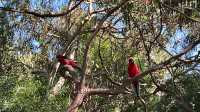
x=22, y=91
x=25, y=92
x=190, y=94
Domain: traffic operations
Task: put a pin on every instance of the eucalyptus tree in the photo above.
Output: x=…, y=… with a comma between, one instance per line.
x=101, y=35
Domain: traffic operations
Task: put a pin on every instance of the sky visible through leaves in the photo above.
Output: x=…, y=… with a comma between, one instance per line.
x=176, y=44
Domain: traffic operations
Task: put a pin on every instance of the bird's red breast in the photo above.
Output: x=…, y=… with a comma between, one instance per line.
x=147, y=2
x=133, y=70
x=67, y=62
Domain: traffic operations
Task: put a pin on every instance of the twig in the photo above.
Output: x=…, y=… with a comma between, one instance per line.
x=40, y=14
x=165, y=63
x=190, y=18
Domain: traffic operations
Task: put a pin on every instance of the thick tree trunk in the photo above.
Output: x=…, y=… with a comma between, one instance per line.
x=78, y=100
x=76, y=103
x=58, y=86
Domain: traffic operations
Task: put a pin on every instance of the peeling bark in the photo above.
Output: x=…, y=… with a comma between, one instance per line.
x=76, y=103
x=58, y=86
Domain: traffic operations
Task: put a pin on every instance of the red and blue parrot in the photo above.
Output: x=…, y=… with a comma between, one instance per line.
x=133, y=71
x=69, y=64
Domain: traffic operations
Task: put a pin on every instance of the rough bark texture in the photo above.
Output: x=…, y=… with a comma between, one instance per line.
x=78, y=100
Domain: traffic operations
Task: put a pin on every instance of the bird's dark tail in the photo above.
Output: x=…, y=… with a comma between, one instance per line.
x=137, y=87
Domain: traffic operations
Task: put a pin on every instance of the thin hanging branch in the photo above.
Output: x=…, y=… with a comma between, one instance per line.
x=167, y=62
x=174, y=9
x=40, y=14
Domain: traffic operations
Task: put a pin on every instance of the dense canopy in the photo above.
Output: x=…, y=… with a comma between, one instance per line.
x=162, y=36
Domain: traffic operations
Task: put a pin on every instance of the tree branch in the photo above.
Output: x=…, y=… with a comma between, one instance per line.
x=190, y=18
x=40, y=14
x=98, y=91
x=99, y=24
x=167, y=62
x=80, y=96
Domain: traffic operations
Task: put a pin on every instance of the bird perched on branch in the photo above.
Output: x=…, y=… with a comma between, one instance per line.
x=71, y=65
x=147, y=2
x=67, y=63
x=133, y=71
